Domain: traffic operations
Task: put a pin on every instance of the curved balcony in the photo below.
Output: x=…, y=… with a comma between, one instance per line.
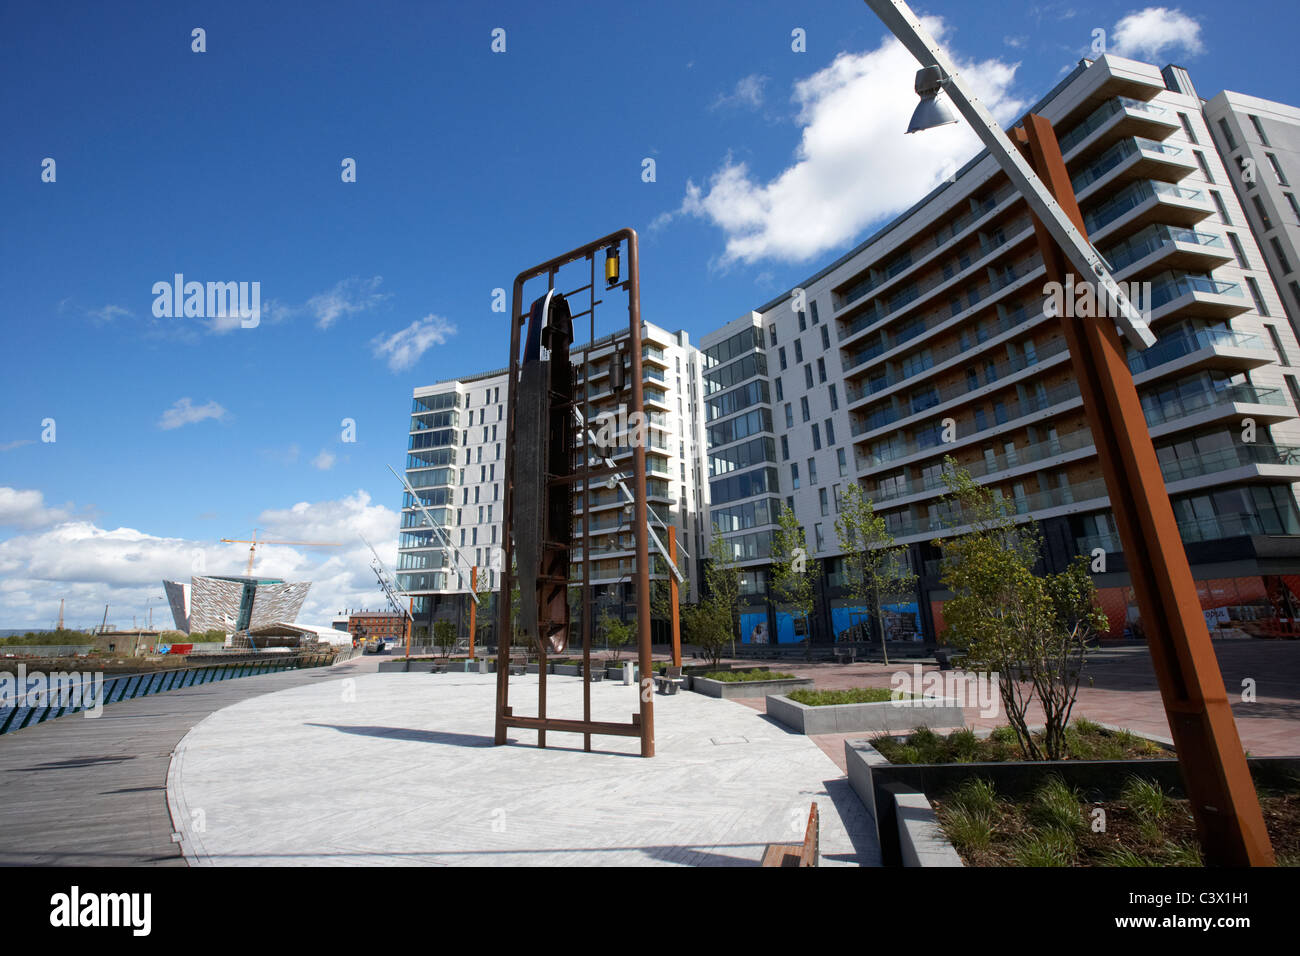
x=1144, y=203
x=1160, y=246
x=1209, y=406
x=1217, y=348
x=1130, y=159
x=1113, y=120
x=1204, y=296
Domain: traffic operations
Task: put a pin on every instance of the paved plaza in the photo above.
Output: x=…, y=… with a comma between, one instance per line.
x=400, y=768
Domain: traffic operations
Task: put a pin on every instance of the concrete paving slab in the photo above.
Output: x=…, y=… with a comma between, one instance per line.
x=406, y=773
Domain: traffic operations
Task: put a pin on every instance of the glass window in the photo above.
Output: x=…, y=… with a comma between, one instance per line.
x=1265, y=220
x=798, y=350
x=812, y=471
x=843, y=460
x=803, y=407
x=1222, y=209
x=817, y=438
x=835, y=400
x=794, y=475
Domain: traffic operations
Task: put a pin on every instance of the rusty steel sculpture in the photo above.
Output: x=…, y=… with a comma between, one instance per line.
x=551, y=463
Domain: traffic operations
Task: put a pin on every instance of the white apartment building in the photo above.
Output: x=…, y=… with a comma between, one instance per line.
x=456, y=463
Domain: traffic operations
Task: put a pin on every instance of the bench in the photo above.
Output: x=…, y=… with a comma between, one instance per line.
x=846, y=655
x=518, y=665
x=668, y=680
x=797, y=854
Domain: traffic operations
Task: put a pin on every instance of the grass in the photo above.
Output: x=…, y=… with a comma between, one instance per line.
x=1056, y=825
x=827, y=698
x=737, y=677
x=1084, y=741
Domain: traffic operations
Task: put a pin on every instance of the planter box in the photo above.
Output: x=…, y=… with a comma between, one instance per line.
x=902, y=715
x=879, y=784
x=754, y=688
x=568, y=670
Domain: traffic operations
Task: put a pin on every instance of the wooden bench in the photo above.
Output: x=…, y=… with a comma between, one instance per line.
x=668, y=680
x=518, y=665
x=797, y=854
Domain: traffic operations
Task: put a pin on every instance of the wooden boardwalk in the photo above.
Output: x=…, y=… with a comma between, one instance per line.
x=93, y=792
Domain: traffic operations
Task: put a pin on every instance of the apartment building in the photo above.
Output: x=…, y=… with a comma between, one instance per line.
x=930, y=340
x=456, y=464
x=1260, y=144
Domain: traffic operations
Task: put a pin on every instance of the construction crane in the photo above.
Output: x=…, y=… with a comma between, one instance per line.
x=254, y=541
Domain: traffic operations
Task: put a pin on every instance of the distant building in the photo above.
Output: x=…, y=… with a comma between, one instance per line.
x=234, y=603
x=386, y=625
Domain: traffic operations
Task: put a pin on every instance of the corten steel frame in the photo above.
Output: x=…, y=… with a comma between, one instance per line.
x=642, y=723
x=1224, y=802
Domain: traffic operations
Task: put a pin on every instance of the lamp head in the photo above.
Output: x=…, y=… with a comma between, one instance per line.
x=931, y=111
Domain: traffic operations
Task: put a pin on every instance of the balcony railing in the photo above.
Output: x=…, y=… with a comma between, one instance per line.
x=1099, y=116
x=1213, y=528
x=1147, y=241
x=1116, y=155
x=1167, y=291
x=1175, y=347
x=1167, y=410
x=1132, y=196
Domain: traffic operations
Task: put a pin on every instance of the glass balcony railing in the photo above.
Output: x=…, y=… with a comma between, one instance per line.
x=1213, y=528
x=1225, y=459
x=988, y=374
x=1175, y=347
x=1150, y=239
x=1099, y=116
x=1116, y=155
x=1132, y=196
x=1165, y=292
x=1165, y=409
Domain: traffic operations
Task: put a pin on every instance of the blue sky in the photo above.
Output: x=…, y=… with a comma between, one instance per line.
x=471, y=166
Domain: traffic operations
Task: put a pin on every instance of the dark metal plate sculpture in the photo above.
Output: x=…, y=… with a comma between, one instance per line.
x=543, y=507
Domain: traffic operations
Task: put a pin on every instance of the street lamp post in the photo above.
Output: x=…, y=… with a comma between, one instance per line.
x=1216, y=776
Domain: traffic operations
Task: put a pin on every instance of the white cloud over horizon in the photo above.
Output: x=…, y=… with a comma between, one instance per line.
x=55, y=556
x=853, y=166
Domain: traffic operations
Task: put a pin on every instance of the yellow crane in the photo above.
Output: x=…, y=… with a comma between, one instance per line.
x=254, y=541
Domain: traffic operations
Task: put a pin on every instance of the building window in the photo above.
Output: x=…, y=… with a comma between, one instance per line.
x=1258, y=299
x=1277, y=170
x=1295, y=207
x=794, y=475
x=1238, y=251
x=836, y=497
x=812, y=471
x=1294, y=389
x=798, y=349
x=1228, y=138
x=821, y=538
x=826, y=338
x=1223, y=210
x=1205, y=167
x=803, y=407
x=835, y=399
x=1282, y=260
x=1259, y=131
x=813, y=306
x=824, y=501
x=1265, y=220
x=807, y=376
x=785, y=448
x=789, y=415
x=817, y=438
x=1187, y=127
x=821, y=370
x=1277, y=346
x=780, y=355
x=780, y=394
x=771, y=332
x=830, y=432
x=843, y=460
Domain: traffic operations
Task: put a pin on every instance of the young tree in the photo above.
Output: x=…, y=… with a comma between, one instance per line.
x=874, y=567
x=444, y=635
x=1031, y=629
x=794, y=572
x=617, y=633
x=722, y=579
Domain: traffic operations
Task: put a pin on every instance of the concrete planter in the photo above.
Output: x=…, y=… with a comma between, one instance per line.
x=755, y=688
x=568, y=670
x=902, y=715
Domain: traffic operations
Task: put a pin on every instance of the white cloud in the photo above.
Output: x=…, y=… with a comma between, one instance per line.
x=92, y=566
x=853, y=166
x=108, y=313
x=25, y=508
x=324, y=461
x=185, y=412
x=403, y=349
x=346, y=298
x=1156, y=33
x=748, y=92
x=16, y=443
